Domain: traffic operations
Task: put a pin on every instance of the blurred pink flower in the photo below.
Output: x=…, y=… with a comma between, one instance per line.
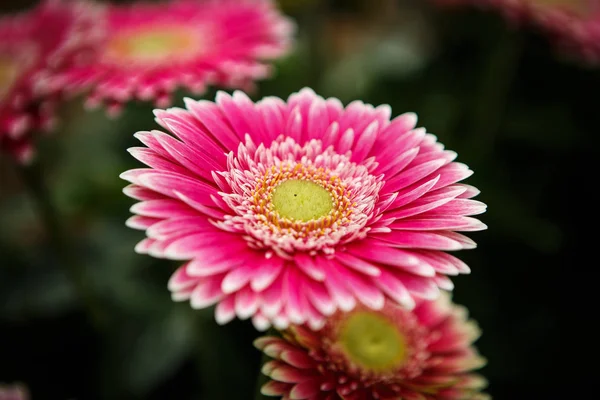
x=393, y=353
x=573, y=25
x=13, y=392
x=35, y=47
x=291, y=210
x=153, y=48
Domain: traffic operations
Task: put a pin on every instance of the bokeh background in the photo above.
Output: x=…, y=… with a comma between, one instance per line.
x=523, y=116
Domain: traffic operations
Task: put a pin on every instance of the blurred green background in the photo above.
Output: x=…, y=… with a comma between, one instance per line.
x=521, y=115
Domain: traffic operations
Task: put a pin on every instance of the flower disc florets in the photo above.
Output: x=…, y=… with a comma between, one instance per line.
x=291, y=198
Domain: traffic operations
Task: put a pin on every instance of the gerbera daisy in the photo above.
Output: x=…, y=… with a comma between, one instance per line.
x=288, y=211
x=34, y=48
x=574, y=25
x=393, y=353
x=153, y=48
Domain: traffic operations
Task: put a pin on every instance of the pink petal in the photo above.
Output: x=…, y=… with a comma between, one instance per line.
x=265, y=273
x=294, y=299
x=203, y=245
x=452, y=173
x=272, y=299
x=358, y=264
x=246, y=303
x=225, y=310
x=396, y=163
x=141, y=223
x=179, y=226
x=455, y=223
x=140, y=193
x=180, y=280
x=337, y=288
x=395, y=289
x=310, y=266
x=153, y=160
x=398, y=127
x=191, y=159
x=237, y=278
x=365, y=142
x=237, y=111
x=461, y=207
x=305, y=390
x=361, y=287
x=271, y=118
x=274, y=388
x=207, y=292
x=162, y=208
x=319, y=297
x=185, y=126
x=210, y=115
x=420, y=240
x=413, y=175
x=167, y=183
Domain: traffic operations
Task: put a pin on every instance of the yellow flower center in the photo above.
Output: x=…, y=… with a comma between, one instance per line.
x=372, y=341
x=579, y=7
x=8, y=74
x=163, y=44
x=301, y=200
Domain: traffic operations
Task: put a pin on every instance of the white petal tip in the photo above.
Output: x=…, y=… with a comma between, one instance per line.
x=261, y=324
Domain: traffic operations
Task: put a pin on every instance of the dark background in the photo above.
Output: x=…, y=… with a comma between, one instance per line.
x=519, y=113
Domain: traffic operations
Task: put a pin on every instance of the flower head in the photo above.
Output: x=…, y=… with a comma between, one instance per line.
x=150, y=49
x=288, y=211
x=391, y=353
x=35, y=46
x=573, y=25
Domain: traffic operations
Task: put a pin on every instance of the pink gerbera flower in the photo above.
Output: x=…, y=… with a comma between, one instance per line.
x=291, y=210
x=574, y=25
x=35, y=47
x=151, y=49
x=393, y=353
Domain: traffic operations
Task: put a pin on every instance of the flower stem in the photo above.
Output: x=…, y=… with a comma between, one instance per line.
x=498, y=73
x=33, y=179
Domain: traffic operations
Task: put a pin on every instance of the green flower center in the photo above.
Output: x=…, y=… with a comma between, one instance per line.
x=8, y=75
x=158, y=44
x=372, y=341
x=301, y=200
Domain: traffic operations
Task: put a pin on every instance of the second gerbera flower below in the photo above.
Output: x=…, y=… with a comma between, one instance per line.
x=393, y=353
x=289, y=211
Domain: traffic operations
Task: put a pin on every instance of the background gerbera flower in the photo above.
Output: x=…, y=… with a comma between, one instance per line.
x=35, y=47
x=392, y=353
x=153, y=48
x=573, y=25
x=13, y=392
x=288, y=211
